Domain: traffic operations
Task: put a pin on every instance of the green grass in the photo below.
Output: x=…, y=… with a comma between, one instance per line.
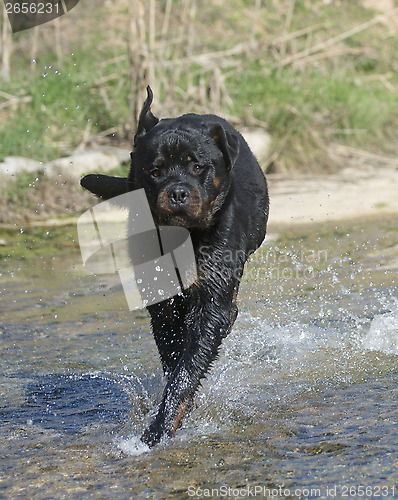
x=305, y=108
x=344, y=103
x=37, y=242
x=17, y=187
x=63, y=103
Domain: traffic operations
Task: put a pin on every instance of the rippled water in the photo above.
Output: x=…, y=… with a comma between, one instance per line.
x=302, y=402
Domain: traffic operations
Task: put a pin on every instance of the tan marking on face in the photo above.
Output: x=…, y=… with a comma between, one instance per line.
x=217, y=136
x=217, y=182
x=163, y=202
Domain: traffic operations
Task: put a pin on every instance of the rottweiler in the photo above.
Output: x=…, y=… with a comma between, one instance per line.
x=199, y=173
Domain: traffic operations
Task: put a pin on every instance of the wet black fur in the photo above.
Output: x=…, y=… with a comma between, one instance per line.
x=189, y=328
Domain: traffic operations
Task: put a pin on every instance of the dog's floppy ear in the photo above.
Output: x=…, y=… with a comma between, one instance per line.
x=105, y=186
x=228, y=142
x=146, y=120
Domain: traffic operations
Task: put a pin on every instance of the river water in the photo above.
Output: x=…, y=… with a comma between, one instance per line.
x=303, y=402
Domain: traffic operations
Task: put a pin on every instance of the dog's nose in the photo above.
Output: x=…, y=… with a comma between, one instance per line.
x=179, y=195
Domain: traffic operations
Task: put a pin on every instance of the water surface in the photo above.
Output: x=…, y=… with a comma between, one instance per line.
x=302, y=400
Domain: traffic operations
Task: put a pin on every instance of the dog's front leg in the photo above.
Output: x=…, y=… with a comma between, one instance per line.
x=208, y=322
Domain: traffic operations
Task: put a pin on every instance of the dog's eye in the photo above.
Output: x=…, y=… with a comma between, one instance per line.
x=196, y=169
x=155, y=172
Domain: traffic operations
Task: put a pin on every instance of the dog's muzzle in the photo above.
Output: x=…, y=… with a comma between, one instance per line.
x=180, y=203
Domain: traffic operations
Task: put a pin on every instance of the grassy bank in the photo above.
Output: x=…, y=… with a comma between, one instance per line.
x=314, y=73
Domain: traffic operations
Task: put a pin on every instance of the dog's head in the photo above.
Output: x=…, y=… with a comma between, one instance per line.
x=184, y=164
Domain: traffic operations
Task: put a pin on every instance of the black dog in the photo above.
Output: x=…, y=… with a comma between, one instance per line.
x=198, y=173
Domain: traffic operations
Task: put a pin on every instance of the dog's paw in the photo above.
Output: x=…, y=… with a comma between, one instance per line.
x=154, y=434
x=166, y=426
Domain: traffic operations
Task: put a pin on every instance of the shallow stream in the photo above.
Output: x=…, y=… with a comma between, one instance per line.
x=303, y=402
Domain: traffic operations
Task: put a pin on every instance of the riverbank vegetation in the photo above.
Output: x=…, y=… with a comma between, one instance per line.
x=320, y=76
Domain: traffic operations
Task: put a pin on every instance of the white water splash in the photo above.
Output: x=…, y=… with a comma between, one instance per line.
x=262, y=364
x=383, y=333
x=132, y=446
